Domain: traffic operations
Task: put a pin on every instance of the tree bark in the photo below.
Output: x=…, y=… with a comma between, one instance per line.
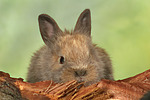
x=132, y=88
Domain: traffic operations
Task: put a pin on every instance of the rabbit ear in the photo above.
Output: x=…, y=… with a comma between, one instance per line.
x=48, y=27
x=83, y=24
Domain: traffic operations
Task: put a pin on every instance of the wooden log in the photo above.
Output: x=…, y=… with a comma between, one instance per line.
x=132, y=88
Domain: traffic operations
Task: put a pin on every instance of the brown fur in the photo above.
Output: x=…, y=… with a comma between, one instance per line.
x=83, y=61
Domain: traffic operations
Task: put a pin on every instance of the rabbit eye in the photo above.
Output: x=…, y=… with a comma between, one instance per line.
x=62, y=59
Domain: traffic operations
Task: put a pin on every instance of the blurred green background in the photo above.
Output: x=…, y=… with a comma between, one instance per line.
x=122, y=27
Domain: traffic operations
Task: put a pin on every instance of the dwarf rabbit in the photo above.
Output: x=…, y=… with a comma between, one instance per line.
x=69, y=55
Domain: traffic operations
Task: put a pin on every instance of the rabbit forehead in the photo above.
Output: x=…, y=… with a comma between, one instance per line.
x=75, y=46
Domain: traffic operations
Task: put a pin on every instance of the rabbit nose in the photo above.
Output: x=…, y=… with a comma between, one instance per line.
x=80, y=73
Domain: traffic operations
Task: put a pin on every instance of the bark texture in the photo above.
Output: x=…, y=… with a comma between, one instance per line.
x=132, y=88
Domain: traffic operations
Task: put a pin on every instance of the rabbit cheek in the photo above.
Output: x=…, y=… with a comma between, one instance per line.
x=92, y=76
x=56, y=64
x=66, y=75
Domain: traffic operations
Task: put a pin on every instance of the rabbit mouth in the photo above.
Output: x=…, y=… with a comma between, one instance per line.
x=80, y=79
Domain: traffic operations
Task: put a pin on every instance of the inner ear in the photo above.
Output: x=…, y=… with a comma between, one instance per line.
x=48, y=27
x=83, y=24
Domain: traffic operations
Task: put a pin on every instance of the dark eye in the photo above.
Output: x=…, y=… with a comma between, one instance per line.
x=62, y=59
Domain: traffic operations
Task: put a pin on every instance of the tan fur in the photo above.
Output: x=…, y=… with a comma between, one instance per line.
x=83, y=61
x=75, y=46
